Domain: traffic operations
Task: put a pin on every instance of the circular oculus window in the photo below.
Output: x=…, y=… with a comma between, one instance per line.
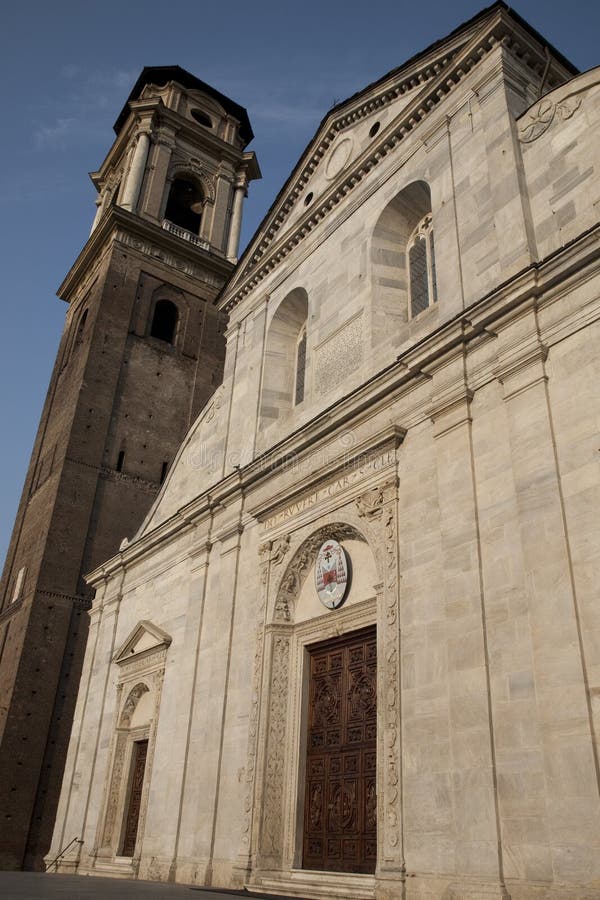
x=201, y=118
x=338, y=157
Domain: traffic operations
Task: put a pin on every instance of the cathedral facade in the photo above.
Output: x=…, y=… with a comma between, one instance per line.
x=353, y=650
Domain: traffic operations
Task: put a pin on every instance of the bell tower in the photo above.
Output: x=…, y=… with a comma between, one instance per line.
x=141, y=353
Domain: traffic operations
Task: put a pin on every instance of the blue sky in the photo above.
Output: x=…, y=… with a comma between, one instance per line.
x=66, y=69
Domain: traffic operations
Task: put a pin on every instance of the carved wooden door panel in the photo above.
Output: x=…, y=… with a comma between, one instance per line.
x=140, y=752
x=340, y=809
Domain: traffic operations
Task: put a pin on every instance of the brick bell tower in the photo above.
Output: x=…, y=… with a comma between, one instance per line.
x=141, y=353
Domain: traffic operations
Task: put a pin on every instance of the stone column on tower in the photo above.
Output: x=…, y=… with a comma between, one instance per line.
x=239, y=192
x=135, y=175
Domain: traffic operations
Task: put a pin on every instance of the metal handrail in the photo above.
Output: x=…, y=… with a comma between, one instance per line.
x=62, y=853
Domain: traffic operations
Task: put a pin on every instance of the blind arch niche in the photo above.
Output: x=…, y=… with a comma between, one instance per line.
x=283, y=386
x=398, y=231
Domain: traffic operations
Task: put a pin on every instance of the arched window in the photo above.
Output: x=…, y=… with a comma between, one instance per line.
x=403, y=265
x=81, y=328
x=284, y=375
x=422, y=286
x=184, y=206
x=300, y=368
x=164, y=321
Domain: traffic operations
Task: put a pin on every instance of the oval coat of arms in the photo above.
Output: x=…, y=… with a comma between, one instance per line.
x=331, y=574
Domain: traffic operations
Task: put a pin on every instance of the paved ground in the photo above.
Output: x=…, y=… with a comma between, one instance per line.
x=37, y=886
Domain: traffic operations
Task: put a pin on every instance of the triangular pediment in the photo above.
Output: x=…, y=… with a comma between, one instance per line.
x=344, y=150
x=145, y=638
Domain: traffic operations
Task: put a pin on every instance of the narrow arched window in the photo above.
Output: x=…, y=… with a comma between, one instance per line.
x=81, y=329
x=285, y=383
x=164, y=321
x=421, y=268
x=184, y=206
x=300, y=368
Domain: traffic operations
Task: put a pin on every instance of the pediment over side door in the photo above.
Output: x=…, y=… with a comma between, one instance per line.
x=143, y=640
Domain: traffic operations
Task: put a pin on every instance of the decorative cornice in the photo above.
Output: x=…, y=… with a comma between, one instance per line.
x=117, y=224
x=109, y=474
x=437, y=78
x=566, y=267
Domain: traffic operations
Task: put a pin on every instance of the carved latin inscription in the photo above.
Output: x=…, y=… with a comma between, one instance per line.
x=339, y=356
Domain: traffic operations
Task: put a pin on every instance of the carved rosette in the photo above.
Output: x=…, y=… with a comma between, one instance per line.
x=378, y=507
x=544, y=113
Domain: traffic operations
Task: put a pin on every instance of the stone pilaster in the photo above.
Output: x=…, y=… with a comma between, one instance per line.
x=467, y=777
x=570, y=767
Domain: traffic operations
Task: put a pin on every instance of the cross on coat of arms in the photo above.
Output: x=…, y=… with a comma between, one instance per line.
x=331, y=574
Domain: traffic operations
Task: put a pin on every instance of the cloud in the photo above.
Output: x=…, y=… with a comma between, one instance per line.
x=76, y=113
x=54, y=136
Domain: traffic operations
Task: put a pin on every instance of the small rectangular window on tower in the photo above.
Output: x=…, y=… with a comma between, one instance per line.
x=19, y=585
x=120, y=460
x=163, y=471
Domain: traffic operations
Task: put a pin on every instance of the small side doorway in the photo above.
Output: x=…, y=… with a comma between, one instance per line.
x=140, y=752
x=340, y=808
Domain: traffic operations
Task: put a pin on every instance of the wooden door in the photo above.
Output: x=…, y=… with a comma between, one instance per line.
x=340, y=808
x=140, y=752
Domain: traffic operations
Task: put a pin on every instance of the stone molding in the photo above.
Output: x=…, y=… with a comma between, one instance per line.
x=371, y=517
x=181, y=164
x=297, y=569
x=440, y=77
x=148, y=248
x=139, y=673
x=581, y=258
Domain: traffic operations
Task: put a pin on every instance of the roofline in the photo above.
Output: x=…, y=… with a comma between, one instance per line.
x=499, y=5
x=161, y=75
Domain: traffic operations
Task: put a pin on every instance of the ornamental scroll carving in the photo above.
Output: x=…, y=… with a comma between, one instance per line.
x=544, y=113
x=271, y=554
x=264, y=552
x=377, y=507
x=188, y=165
x=117, y=777
x=392, y=706
x=116, y=783
x=302, y=561
x=276, y=747
x=370, y=504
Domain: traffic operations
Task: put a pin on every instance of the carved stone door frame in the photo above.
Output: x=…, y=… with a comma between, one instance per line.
x=273, y=806
x=139, y=671
x=348, y=621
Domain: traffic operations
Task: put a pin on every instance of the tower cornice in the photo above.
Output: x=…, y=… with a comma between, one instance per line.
x=145, y=237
